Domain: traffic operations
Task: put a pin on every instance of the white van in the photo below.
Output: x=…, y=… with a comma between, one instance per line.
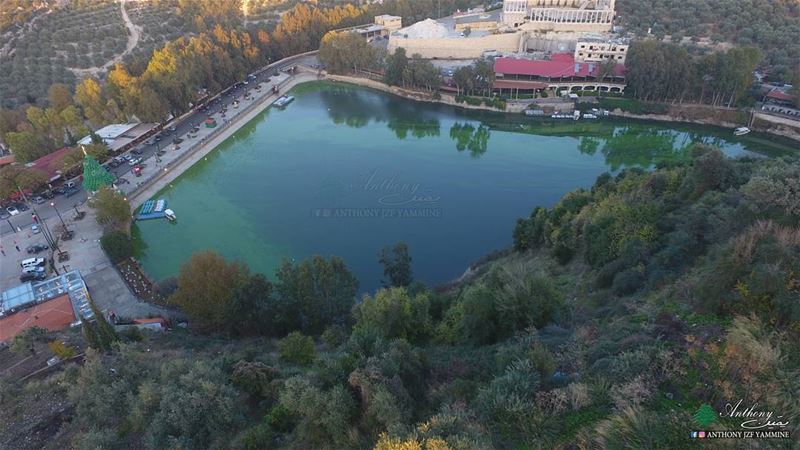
x=33, y=269
x=32, y=262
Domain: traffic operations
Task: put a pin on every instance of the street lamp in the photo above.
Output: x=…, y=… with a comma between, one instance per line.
x=53, y=204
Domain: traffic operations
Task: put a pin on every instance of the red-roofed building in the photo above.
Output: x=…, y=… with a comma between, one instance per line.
x=781, y=97
x=559, y=72
x=50, y=165
x=56, y=314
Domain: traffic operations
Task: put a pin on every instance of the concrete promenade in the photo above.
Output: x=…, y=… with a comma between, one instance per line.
x=104, y=282
x=173, y=164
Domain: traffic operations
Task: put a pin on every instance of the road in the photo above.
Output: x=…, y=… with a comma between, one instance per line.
x=144, y=151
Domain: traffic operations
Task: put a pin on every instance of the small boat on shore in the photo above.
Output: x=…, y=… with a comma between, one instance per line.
x=741, y=131
x=170, y=215
x=283, y=101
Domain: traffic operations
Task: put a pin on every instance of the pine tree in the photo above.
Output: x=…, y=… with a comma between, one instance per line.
x=90, y=335
x=105, y=332
x=94, y=175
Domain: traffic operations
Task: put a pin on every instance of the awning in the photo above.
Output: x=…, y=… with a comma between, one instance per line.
x=519, y=84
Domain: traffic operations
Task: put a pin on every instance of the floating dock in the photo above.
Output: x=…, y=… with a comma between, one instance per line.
x=152, y=209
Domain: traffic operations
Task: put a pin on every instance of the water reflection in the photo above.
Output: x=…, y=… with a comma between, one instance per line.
x=467, y=136
x=621, y=143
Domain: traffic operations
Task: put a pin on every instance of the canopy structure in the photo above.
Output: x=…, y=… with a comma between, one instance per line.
x=94, y=175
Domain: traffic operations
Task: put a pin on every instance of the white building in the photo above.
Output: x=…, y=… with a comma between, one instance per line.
x=600, y=50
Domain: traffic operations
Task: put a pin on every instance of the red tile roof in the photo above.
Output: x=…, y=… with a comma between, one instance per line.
x=50, y=164
x=778, y=95
x=53, y=315
x=559, y=65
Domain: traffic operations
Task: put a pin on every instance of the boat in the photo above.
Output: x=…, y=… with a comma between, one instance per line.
x=283, y=101
x=576, y=115
x=741, y=131
x=589, y=116
x=170, y=215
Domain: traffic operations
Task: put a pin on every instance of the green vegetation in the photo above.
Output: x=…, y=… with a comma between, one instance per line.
x=667, y=72
x=771, y=25
x=117, y=245
x=623, y=310
x=112, y=209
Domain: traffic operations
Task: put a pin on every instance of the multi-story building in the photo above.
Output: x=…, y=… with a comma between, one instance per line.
x=601, y=50
x=559, y=15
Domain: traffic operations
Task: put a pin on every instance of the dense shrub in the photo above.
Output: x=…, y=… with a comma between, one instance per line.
x=117, y=245
x=297, y=349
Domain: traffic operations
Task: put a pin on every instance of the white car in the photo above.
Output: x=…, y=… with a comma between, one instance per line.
x=35, y=229
x=134, y=161
x=12, y=210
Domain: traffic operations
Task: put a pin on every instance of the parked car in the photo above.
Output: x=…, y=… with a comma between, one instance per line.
x=35, y=229
x=36, y=248
x=173, y=128
x=32, y=262
x=22, y=207
x=137, y=151
x=12, y=210
x=113, y=163
x=70, y=184
x=48, y=194
x=158, y=138
x=39, y=200
x=34, y=269
x=150, y=141
x=35, y=276
x=4, y=214
x=133, y=161
x=70, y=192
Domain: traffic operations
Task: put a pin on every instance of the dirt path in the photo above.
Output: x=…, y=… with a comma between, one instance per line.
x=133, y=41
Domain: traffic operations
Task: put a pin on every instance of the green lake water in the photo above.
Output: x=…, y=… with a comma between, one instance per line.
x=345, y=171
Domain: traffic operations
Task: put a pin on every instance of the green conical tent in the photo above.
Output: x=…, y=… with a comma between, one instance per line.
x=94, y=175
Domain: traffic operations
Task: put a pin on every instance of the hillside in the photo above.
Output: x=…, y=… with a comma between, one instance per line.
x=771, y=25
x=621, y=312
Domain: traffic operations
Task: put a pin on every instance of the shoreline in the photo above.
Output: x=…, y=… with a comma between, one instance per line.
x=203, y=149
x=779, y=126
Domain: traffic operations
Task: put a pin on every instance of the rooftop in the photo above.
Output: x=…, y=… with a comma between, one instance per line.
x=50, y=164
x=55, y=314
x=28, y=295
x=119, y=135
x=558, y=66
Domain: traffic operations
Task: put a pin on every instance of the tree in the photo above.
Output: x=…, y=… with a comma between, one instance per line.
x=26, y=146
x=346, y=52
x=59, y=96
x=396, y=66
x=206, y=287
x=393, y=313
x=117, y=245
x=252, y=308
x=25, y=341
x=17, y=176
x=396, y=265
x=297, y=348
x=105, y=333
x=316, y=292
x=112, y=209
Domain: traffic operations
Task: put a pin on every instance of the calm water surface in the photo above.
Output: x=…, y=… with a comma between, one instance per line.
x=345, y=171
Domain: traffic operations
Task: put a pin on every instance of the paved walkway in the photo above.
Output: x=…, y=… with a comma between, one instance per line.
x=105, y=284
x=158, y=174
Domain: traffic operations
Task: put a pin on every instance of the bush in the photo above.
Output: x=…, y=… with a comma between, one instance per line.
x=61, y=350
x=117, y=245
x=258, y=437
x=297, y=348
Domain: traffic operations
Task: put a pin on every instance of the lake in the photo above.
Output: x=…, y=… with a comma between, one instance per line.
x=346, y=171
